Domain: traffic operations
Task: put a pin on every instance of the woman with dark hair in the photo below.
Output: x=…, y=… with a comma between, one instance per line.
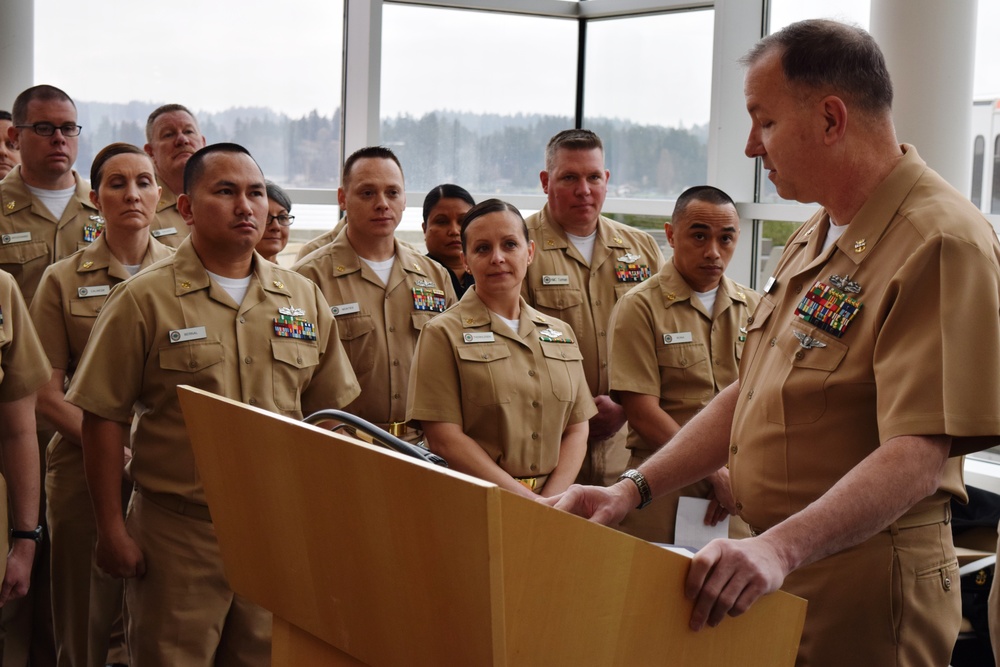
x=275, y=237
x=444, y=208
x=498, y=387
x=85, y=603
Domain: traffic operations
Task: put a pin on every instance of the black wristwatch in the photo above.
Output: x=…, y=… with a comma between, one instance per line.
x=35, y=534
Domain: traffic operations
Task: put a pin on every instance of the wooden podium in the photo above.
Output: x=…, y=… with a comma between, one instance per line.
x=367, y=557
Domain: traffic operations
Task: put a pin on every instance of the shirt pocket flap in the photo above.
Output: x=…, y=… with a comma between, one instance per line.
x=295, y=353
x=22, y=253
x=354, y=326
x=85, y=307
x=562, y=351
x=192, y=357
x=825, y=355
x=557, y=299
x=681, y=356
x=483, y=352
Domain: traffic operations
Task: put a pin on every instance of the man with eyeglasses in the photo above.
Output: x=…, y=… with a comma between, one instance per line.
x=45, y=215
x=45, y=208
x=172, y=137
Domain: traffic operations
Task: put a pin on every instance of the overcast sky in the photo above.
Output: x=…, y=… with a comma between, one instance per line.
x=215, y=55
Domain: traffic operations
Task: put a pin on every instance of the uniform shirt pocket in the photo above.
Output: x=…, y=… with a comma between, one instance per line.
x=356, y=334
x=293, y=366
x=558, y=298
x=89, y=307
x=803, y=389
x=485, y=373
x=684, y=370
x=561, y=359
x=26, y=262
x=197, y=363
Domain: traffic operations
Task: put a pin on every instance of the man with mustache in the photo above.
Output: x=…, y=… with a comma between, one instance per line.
x=217, y=316
x=45, y=208
x=676, y=342
x=172, y=137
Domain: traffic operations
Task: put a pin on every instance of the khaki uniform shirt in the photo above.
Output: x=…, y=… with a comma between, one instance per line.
x=697, y=354
x=30, y=236
x=71, y=295
x=168, y=226
x=561, y=284
x=172, y=325
x=820, y=391
x=23, y=367
x=321, y=240
x=514, y=394
x=379, y=324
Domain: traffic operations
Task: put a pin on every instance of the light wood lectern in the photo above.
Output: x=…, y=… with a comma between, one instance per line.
x=367, y=557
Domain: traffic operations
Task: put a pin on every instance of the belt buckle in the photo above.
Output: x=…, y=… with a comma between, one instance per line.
x=530, y=482
x=397, y=429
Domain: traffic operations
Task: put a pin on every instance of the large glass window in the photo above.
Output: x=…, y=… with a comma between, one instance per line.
x=266, y=77
x=472, y=97
x=648, y=94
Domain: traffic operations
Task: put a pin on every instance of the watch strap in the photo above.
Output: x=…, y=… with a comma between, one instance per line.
x=35, y=535
x=645, y=493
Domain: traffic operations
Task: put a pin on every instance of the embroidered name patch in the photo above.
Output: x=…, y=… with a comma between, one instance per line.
x=828, y=308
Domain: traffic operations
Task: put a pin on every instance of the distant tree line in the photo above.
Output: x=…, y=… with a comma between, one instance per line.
x=482, y=152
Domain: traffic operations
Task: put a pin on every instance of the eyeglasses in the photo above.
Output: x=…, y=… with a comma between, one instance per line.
x=48, y=129
x=283, y=220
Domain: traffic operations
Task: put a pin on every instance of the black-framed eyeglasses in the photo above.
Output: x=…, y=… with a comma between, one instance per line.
x=283, y=220
x=48, y=129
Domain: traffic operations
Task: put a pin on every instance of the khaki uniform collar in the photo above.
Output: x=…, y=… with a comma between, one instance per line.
x=345, y=258
x=190, y=275
x=97, y=256
x=871, y=222
x=167, y=197
x=474, y=313
x=674, y=289
x=16, y=196
x=552, y=236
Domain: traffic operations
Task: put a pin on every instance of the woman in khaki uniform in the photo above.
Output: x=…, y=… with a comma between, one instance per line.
x=86, y=603
x=498, y=387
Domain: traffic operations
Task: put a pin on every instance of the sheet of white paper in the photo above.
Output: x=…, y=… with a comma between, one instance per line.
x=690, y=529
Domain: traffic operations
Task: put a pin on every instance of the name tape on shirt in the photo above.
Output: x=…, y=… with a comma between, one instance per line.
x=345, y=309
x=555, y=280
x=93, y=290
x=679, y=337
x=191, y=333
x=485, y=337
x=166, y=231
x=19, y=237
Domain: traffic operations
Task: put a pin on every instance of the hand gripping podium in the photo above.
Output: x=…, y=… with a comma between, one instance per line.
x=367, y=557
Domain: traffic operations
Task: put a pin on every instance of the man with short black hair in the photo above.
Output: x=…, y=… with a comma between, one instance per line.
x=45, y=208
x=172, y=137
x=676, y=342
x=857, y=389
x=381, y=290
x=219, y=317
x=584, y=263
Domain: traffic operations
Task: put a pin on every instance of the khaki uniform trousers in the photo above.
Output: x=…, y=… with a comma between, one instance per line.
x=892, y=601
x=183, y=612
x=86, y=602
x=605, y=460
